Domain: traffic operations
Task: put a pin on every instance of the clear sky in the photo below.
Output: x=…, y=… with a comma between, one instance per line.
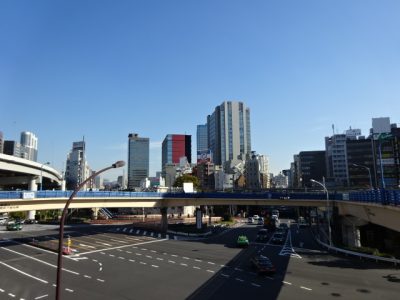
x=104, y=69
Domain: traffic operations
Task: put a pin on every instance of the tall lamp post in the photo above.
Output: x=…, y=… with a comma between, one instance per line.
x=369, y=173
x=41, y=174
x=118, y=164
x=327, y=209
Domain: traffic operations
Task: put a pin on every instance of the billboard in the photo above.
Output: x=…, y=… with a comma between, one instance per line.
x=204, y=156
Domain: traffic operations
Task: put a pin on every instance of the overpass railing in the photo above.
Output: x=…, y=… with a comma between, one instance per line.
x=383, y=197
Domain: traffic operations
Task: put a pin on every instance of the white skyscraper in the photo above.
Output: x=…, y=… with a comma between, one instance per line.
x=138, y=159
x=29, y=145
x=77, y=168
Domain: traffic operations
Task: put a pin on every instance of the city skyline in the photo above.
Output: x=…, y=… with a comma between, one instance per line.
x=156, y=69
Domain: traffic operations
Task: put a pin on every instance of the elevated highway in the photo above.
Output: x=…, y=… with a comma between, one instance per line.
x=20, y=173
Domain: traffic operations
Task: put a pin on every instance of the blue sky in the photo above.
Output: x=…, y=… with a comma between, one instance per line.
x=104, y=69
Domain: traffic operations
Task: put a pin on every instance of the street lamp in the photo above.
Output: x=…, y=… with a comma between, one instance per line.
x=369, y=173
x=118, y=164
x=41, y=174
x=327, y=209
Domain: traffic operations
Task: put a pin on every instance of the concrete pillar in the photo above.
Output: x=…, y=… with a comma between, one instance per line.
x=32, y=186
x=95, y=213
x=351, y=235
x=31, y=214
x=164, y=219
x=63, y=185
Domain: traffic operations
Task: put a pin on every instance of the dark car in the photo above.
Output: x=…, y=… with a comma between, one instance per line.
x=263, y=264
x=14, y=226
x=278, y=238
x=262, y=235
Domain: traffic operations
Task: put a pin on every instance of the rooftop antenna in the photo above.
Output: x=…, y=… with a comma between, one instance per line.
x=333, y=129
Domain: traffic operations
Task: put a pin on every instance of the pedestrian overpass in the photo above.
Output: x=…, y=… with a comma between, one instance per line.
x=378, y=207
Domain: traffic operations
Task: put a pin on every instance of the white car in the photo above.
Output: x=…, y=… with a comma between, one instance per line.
x=255, y=217
x=3, y=221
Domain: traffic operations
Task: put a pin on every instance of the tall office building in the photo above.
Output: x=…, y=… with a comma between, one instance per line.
x=310, y=165
x=202, y=138
x=1, y=142
x=138, y=159
x=29, y=143
x=174, y=147
x=77, y=169
x=336, y=159
x=229, y=131
x=12, y=148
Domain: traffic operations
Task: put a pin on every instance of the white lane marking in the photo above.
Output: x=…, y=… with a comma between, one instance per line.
x=118, y=241
x=119, y=250
x=184, y=257
x=101, y=269
x=174, y=255
x=101, y=280
x=38, y=260
x=111, y=255
x=288, y=283
x=159, y=258
x=238, y=279
x=132, y=260
x=171, y=261
x=11, y=295
x=185, y=265
x=23, y=273
x=102, y=253
x=87, y=276
x=123, y=246
x=129, y=252
x=256, y=285
x=154, y=266
x=225, y=275
x=69, y=290
x=210, y=271
x=1, y=290
x=144, y=249
x=197, y=268
x=138, y=254
x=134, y=247
x=199, y=260
x=95, y=260
x=211, y=263
x=238, y=269
x=153, y=251
x=87, y=246
x=40, y=297
x=305, y=288
x=143, y=263
x=100, y=264
x=121, y=257
x=148, y=256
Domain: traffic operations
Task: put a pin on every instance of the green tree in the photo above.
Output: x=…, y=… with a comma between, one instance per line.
x=187, y=178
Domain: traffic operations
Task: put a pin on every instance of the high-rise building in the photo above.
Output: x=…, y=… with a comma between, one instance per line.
x=174, y=147
x=1, y=142
x=202, y=138
x=12, y=148
x=77, y=168
x=138, y=159
x=310, y=165
x=29, y=143
x=229, y=131
x=336, y=159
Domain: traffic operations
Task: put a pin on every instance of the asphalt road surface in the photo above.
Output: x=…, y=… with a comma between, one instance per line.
x=124, y=263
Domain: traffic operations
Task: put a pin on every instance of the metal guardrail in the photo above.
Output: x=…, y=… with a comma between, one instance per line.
x=358, y=254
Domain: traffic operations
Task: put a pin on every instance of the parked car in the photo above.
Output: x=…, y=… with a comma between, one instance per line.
x=242, y=241
x=250, y=220
x=30, y=221
x=3, y=221
x=262, y=235
x=263, y=264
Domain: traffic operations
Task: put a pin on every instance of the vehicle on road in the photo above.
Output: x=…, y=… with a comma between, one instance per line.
x=302, y=222
x=30, y=221
x=278, y=238
x=3, y=221
x=242, y=241
x=263, y=264
x=260, y=221
x=262, y=235
x=275, y=212
x=250, y=220
x=14, y=226
x=284, y=226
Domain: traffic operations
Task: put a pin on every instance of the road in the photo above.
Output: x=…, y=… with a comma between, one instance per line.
x=124, y=263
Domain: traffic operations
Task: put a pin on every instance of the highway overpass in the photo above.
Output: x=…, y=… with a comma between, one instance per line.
x=20, y=173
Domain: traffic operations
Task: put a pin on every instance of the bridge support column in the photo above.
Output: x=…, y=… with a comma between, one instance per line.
x=95, y=213
x=351, y=236
x=164, y=219
x=32, y=186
